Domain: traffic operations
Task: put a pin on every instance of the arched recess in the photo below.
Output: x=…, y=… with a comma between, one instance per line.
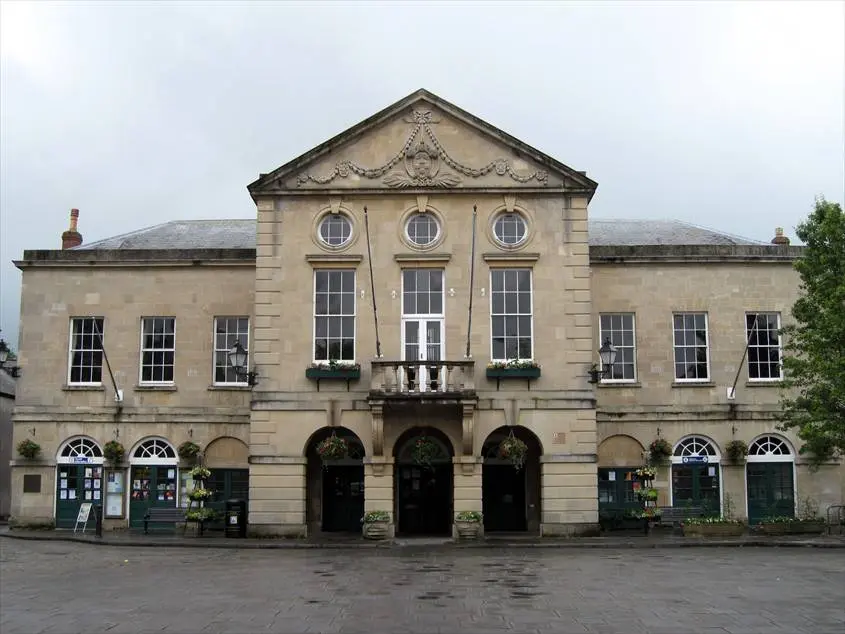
x=770, y=478
x=334, y=493
x=154, y=479
x=697, y=474
x=424, y=491
x=228, y=460
x=79, y=478
x=618, y=458
x=511, y=497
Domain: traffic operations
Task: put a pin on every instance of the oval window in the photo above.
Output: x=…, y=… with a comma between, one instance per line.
x=509, y=229
x=335, y=230
x=423, y=229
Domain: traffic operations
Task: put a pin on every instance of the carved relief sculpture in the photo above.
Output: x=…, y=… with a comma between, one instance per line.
x=422, y=163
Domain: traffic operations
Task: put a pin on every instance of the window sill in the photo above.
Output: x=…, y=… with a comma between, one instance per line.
x=84, y=388
x=693, y=384
x=155, y=388
x=229, y=388
x=619, y=384
x=777, y=383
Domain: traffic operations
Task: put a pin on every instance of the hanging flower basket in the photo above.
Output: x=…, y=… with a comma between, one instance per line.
x=513, y=449
x=646, y=473
x=659, y=450
x=736, y=450
x=333, y=448
x=29, y=449
x=425, y=450
x=199, y=494
x=200, y=473
x=114, y=452
x=188, y=451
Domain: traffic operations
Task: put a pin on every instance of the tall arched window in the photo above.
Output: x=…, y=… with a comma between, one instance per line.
x=770, y=479
x=696, y=475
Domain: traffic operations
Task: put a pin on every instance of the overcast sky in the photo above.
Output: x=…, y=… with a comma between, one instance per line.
x=726, y=115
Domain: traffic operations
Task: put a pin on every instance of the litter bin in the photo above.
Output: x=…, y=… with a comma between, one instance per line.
x=235, y=518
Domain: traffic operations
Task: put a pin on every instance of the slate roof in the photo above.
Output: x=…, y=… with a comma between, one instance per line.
x=240, y=234
x=7, y=384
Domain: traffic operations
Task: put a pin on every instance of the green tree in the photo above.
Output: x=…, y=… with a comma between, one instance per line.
x=813, y=399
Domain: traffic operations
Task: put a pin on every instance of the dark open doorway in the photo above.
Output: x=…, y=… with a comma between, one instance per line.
x=510, y=495
x=424, y=488
x=335, y=488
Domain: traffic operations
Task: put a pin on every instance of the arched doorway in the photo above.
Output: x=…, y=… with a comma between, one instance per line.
x=154, y=479
x=619, y=456
x=228, y=460
x=335, y=488
x=770, y=479
x=510, y=497
x=424, y=475
x=696, y=475
x=79, y=478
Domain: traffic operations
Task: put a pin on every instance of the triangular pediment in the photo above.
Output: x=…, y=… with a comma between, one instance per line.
x=422, y=143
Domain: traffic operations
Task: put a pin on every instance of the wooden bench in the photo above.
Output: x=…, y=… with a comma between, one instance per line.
x=674, y=515
x=160, y=515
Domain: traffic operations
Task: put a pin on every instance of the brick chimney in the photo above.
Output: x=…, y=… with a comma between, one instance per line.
x=72, y=237
x=779, y=237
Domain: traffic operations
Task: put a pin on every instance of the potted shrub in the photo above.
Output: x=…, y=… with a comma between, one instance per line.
x=513, y=369
x=200, y=473
x=29, y=449
x=659, y=450
x=188, y=451
x=334, y=369
x=376, y=524
x=332, y=448
x=113, y=451
x=467, y=524
x=736, y=451
x=425, y=450
x=513, y=449
x=717, y=526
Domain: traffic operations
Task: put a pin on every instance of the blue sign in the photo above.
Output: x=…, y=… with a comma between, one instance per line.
x=694, y=459
x=84, y=459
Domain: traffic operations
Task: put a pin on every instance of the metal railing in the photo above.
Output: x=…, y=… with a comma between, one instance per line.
x=422, y=377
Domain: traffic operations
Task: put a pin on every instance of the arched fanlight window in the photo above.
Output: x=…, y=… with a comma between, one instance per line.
x=769, y=449
x=155, y=449
x=80, y=450
x=695, y=446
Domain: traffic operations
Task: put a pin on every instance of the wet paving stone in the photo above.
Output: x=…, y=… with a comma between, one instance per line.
x=122, y=590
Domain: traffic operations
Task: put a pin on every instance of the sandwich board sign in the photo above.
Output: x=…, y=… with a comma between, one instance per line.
x=84, y=515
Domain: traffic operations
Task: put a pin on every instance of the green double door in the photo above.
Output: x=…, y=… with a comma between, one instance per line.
x=697, y=485
x=771, y=490
x=76, y=484
x=226, y=484
x=150, y=486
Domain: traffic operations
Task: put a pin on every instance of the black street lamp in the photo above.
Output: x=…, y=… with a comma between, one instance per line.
x=607, y=354
x=237, y=360
x=4, y=356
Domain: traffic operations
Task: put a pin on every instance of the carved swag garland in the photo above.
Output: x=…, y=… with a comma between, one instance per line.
x=421, y=163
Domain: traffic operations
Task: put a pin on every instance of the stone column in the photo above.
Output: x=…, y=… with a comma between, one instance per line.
x=467, y=486
x=378, y=488
x=277, y=496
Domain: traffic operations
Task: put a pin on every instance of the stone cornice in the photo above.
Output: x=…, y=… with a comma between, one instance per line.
x=136, y=257
x=662, y=254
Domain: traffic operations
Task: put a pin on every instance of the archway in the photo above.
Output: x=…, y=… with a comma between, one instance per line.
x=619, y=456
x=770, y=478
x=696, y=475
x=334, y=493
x=154, y=479
x=79, y=478
x=510, y=496
x=424, y=482
x=228, y=460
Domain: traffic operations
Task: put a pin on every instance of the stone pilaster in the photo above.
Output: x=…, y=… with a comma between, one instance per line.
x=467, y=484
x=378, y=488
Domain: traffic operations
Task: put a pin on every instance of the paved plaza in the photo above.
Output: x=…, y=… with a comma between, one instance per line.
x=71, y=587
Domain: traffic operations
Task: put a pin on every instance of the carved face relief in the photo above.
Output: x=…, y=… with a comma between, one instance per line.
x=421, y=165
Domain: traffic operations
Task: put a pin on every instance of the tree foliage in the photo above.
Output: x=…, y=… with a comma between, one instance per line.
x=813, y=400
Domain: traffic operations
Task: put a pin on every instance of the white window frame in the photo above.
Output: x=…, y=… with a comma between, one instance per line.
x=240, y=379
x=141, y=380
x=420, y=318
x=602, y=338
x=329, y=218
x=709, y=377
x=314, y=314
x=778, y=378
x=71, y=351
x=502, y=243
x=430, y=217
x=531, y=315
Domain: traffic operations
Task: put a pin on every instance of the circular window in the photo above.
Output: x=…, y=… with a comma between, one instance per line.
x=509, y=229
x=335, y=230
x=423, y=229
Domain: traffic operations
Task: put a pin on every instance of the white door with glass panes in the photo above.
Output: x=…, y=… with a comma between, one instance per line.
x=422, y=329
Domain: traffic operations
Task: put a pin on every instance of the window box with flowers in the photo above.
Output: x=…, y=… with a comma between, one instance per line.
x=513, y=369
x=376, y=525
x=468, y=525
x=334, y=370
x=659, y=451
x=712, y=527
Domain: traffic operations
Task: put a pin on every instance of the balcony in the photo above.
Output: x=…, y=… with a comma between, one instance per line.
x=423, y=380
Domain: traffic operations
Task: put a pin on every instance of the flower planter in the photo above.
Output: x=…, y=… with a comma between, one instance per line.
x=714, y=530
x=513, y=373
x=327, y=374
x=467, y=531
x=791, y=528
x=376, y=530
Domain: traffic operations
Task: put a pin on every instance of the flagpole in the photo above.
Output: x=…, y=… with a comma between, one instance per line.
x=372, y=281
x=471, y=279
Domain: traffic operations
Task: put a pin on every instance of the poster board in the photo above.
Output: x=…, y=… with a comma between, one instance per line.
x=83, y=516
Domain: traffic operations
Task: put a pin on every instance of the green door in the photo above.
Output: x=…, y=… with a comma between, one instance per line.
x=697, y=485
x=770, y=490
x=343, y=498
x=76, y=484
x=227, y=484
x=616, y=492
x=151, y=486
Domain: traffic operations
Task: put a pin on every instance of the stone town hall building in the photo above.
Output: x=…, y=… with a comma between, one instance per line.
x=302, y=284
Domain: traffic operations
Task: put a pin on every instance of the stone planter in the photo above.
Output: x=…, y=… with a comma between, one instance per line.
x=792, y=528
x=467, y=531
x=714, y=530
x=376, y=530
